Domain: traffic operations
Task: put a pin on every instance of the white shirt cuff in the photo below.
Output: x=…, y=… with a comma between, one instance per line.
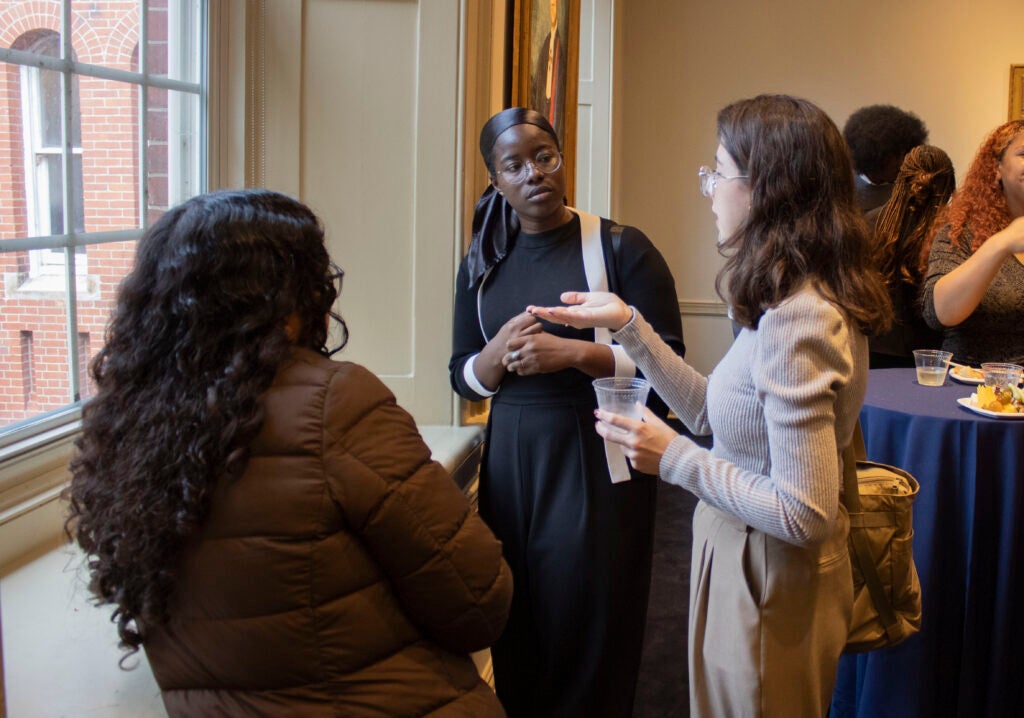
x=624, y=366
x=470, y=376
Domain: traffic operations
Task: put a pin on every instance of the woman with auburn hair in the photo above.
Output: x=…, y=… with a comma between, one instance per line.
x=901, y=236
x=771, y=596
x=974, y=288
x=267, y=522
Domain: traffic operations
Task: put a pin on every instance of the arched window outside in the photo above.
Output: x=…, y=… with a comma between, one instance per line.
x=42, y=139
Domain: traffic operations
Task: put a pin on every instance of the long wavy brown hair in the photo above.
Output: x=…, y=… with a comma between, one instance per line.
x=922, y=189
x=979, y=206
x=803, y=224
x=194, y=342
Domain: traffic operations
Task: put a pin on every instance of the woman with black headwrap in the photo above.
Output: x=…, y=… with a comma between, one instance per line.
x=576, y=530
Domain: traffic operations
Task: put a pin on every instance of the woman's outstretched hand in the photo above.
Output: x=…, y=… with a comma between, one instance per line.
x=589, y=309
x=643, y=442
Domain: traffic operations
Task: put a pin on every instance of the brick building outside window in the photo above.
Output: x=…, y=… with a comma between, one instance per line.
x=101, y=130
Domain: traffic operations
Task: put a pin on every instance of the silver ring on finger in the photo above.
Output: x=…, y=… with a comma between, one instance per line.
x=515, y=355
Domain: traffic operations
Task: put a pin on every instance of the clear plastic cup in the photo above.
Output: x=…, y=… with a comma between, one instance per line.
x=999, y=375
x=622, y=395
x=932, y=366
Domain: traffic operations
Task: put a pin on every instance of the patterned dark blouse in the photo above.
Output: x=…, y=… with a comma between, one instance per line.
x=995, y=330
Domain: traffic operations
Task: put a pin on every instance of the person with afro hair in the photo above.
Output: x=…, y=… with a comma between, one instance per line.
x=879, y=137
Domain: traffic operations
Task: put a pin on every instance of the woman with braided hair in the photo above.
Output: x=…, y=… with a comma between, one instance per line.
x=902, y=230
x=974, y=286
x=267, y=522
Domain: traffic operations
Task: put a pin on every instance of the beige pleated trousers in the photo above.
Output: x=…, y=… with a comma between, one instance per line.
x=768, y=620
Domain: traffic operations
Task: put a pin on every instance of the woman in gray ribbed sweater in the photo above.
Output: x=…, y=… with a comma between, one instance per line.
x=771, y=589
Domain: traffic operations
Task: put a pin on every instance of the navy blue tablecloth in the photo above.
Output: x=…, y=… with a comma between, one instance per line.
x=969, y=550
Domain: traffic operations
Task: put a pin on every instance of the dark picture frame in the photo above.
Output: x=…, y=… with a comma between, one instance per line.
x=546, y=73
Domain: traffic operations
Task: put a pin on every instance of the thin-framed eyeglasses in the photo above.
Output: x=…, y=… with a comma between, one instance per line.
x=335, y=274
x=518, y=171
x=337, y=329
x=709, y=179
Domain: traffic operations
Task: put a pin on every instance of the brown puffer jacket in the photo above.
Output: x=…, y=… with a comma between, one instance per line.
x=344, y=574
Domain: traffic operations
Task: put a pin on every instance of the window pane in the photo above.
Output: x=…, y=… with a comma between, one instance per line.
x=49, y=108
x=108, y=263
x=33, y=357
x=50, y=175
x=34, y=337
x=110, y=154
x=173, y=39
x=172, y=143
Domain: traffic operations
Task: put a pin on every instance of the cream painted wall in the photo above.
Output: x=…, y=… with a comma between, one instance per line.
x=680, y=62
x=360, y=117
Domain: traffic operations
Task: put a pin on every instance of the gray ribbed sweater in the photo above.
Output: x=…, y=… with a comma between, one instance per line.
x=782, y=404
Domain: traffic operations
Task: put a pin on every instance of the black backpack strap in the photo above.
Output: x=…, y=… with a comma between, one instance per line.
x=612, y=260
x=616, y=233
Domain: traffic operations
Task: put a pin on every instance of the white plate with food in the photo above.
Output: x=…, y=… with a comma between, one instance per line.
x=971, y=404
x=966, y=374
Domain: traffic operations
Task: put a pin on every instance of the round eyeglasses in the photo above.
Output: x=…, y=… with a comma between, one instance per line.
x=517, y=171
x=709, y=179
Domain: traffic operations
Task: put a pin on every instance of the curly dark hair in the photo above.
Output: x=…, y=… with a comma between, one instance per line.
x=880, y=135
x=803, y=224
x=980, y=204
x=920, y=193
x=194, y=342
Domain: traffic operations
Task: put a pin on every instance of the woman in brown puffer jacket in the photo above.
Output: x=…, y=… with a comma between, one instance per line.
x=268, y=522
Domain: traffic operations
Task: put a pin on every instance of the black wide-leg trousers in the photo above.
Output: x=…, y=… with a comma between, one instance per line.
x=580, y=552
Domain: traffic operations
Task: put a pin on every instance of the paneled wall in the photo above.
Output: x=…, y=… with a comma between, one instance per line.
x=360, y=118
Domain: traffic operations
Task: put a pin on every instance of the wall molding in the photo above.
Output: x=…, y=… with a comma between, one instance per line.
x=703, y=308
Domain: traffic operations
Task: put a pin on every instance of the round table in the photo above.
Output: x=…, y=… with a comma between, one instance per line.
x=969, y=552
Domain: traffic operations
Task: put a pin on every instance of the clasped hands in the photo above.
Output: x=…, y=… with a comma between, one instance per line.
x=528, y=349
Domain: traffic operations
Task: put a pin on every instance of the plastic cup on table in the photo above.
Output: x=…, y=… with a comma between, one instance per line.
x=999, y=375
x=622, y=395
x=932, y=366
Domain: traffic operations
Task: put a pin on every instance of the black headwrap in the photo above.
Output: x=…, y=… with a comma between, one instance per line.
x=495, y=224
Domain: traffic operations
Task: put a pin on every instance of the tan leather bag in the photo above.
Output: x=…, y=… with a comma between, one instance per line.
x=886, y=589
